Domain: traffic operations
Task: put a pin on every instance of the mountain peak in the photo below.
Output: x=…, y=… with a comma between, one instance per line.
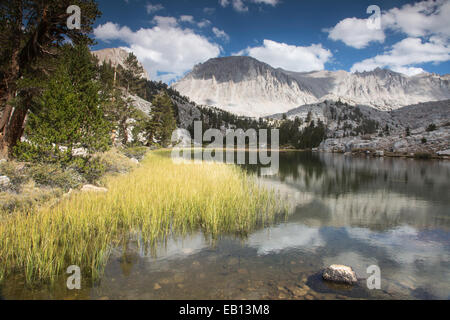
x=246, y=86
x=380, y=72
x=233, y=68
x=116, y=56
x=239, y=60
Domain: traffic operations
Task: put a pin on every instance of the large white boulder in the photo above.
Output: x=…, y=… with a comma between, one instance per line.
x=444, y=153
x=340, y=274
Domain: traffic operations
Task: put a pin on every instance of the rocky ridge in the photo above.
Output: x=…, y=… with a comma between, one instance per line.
x=116, y=56
x=248, y=87
x=405, y=130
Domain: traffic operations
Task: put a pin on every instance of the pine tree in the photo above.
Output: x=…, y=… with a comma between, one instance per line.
x=162, y=123
x=118, y=111
x=106, y=76
x=69, y=113
x=118, y=105
x=309, y=117
x=132, y=74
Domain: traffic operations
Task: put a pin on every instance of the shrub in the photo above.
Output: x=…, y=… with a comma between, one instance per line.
x=52, y=175
x=115, y=162
x=16, y=172
x=431, y=127
x=135, y=152
x=423, y=155
x=28, y=199
x=424, y=140
x=91, y=169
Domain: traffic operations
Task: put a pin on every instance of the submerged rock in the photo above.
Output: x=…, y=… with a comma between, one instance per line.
x=91, y=188
x=299, y=292
x=340, y=274
x=156, y=286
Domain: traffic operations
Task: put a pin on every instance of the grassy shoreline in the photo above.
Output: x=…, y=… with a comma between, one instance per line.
x=155, y=200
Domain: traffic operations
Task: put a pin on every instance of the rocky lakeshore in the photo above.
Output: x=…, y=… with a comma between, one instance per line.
x=421, y=131
x=420, y=143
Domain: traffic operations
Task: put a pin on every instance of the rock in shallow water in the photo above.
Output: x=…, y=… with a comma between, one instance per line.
x=156, y=286
x=340, y=274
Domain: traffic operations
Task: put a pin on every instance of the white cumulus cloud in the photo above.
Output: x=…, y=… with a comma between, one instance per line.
x=269, y=2
x=152, y=8
x=290, y=57
x=167, y=51
x=209, y=10
x=190, y=19
x=420, y=19
x=426, y=29
x=187, y=18
x=204, y=23
x=405, y=54
x=242, y=5
x=220, y=34
x=165, y=21
x=356, y=33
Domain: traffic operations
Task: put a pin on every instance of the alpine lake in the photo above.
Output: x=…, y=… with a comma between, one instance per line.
x=356, y=211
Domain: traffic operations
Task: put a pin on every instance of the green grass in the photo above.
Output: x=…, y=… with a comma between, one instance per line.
x=154, y=201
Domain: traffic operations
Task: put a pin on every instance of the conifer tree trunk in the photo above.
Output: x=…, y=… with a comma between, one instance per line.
x=124, y=129
x=7, y=137
x=14, y=131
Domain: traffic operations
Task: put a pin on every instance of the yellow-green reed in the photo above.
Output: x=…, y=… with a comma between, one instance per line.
x=157, y=199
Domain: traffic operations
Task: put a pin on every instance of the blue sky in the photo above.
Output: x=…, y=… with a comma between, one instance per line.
x=171, y=36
